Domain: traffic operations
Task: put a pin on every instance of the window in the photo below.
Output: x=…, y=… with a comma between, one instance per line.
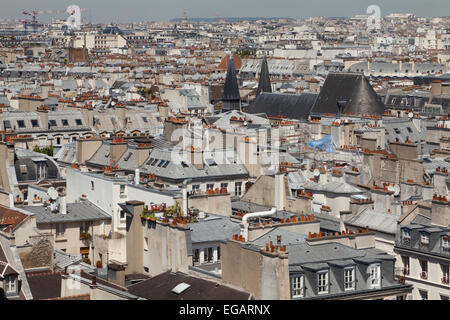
x=349, y=278
x=374, y=276
x=446, y=245
x=145, y=244
x=406, y=237
x=445, y=275
x=297, y=285
x=322, y=282
x=405, y=261
x=84, y=227
x=424, y=269
x=424, y=241
x=84, y=252
x=34, y=123
x=10, y=284
x=21, y=123
x=161, y=163
x=60, y=229
x=238, y=189
x=195, y=188
x=196, y=256
x=64, y=122
x=423, y=294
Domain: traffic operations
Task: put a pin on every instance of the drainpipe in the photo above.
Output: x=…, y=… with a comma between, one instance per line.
x=185, y=199
x=244, y=224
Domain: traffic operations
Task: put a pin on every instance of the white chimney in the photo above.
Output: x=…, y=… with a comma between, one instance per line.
x=136, y=177
x=62, y=205
x=279, y=191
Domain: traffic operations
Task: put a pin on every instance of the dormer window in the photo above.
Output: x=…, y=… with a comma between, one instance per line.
x=446, y=245
x=374, y=272
x=349, y=278
x=297, y=285
x=406, y=237
x=322, y=282
x=10, y=284
x=424, y=241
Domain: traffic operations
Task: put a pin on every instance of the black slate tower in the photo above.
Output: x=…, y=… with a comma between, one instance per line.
x=231, y=99
x=264, y=80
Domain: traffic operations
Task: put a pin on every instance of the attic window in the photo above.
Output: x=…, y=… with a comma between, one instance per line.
x=23, y=169
x=179, y=289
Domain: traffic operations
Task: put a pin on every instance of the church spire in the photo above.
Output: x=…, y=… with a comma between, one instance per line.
x=231, y=99
x=264, y=80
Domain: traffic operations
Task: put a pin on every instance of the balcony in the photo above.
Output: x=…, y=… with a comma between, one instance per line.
x=445, y=280
x=424, y=275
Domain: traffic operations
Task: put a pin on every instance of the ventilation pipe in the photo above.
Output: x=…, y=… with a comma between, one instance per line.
x=244, y=224
x=136, y=177
x=185, y=199
x=62, y=205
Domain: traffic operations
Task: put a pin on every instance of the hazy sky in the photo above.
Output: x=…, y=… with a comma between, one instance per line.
x=159, y=10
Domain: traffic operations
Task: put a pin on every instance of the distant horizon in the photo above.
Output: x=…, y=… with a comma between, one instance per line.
x=106, y=11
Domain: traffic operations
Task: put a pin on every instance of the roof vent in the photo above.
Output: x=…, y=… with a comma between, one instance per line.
x=179, y=289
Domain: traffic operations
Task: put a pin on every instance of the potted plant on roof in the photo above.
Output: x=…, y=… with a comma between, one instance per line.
x=85, y=236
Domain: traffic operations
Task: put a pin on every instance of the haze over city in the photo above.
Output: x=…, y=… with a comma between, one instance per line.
x=101, y=11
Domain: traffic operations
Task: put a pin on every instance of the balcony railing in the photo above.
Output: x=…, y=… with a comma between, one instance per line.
x=424, y=275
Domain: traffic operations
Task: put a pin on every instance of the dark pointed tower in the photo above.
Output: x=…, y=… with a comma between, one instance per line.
x=231, y=99
x=264, y=80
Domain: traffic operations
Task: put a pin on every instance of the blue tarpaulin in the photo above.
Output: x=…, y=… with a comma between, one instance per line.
x=324, y=144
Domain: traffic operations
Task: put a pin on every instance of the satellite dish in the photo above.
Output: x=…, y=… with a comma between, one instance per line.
x=52, y=193
x=316, y=173
x=410, y=115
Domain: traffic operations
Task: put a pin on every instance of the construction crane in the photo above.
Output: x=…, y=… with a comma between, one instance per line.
x=32, y=20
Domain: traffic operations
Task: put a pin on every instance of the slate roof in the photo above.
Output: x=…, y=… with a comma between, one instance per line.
x=160, y=288
x=79, y=211
x=375, y=220
x=292, y=106
x=351, y=87
x=213, y=228
x=287, y=237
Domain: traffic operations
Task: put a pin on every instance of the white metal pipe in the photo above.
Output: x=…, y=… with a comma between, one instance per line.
x=244, y=230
